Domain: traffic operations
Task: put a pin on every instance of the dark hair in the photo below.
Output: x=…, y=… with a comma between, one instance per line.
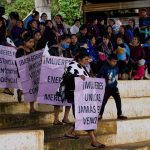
x=136, y=37
x=35, y=13
x=113, y=20
x=133, y=20
x=106, y=37
x=46, y=22
x=83, y=27
x=122, y=26
x=90, y=37
x=109, y=26
x=43, y=14
x=14, y=15
x=36, y=32
x=82, y=54
x=76, y=20
x=113, y=57
x=41, y=23
x=27, y=37
x=144, y=9
x=61, y=18
x=2, y=31
x=73, y=35
x=2, y=11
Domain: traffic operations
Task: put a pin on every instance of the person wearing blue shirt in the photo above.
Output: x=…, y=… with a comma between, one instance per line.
x=109, y=71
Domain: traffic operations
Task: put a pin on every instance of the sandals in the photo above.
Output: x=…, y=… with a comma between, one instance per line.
x=57, y=123
x=66, y=122
x=98, y=146
x=71, y=136
x=7, y=91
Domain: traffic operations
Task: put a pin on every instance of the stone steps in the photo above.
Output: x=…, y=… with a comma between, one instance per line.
x=84, y=144
x=22, y=140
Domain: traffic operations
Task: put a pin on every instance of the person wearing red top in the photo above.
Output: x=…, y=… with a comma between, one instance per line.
x=136, y=53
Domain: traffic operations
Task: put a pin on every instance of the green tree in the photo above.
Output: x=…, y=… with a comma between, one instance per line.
x=69, y=9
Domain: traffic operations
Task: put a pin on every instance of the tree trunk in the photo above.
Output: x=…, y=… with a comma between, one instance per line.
x=42, y=6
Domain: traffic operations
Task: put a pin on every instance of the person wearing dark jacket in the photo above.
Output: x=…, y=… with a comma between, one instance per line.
x=110, y=71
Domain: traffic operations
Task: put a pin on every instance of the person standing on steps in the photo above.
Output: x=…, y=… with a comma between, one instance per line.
x=109, y=71
x=77, y=69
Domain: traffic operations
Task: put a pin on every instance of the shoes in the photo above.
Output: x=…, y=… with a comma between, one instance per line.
x=121, y=117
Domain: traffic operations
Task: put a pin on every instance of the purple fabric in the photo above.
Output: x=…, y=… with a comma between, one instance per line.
x=88, y=100
x=29, y=70
x=8, y=68
x=51, y=74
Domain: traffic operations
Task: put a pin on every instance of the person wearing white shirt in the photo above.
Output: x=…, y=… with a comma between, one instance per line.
x=75, y=28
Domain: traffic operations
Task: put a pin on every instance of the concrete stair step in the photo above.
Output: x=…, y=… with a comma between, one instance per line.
x=23, y=120
x=131, y=107
x=52, y=131
x=132, y=130
x=129, y=131
x=134, y=88
x=84, y=144
x=22, y=140
x=15, y=107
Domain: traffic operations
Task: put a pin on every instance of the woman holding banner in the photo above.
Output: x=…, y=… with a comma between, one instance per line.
x=26, y=49
x=77, y=69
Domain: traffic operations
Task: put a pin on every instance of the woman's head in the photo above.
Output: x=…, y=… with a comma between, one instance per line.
x=131, y=22
x=28, y=41
x=135, y=40
x=44, y=16
x=106, y=39
x=58, y=19
x=41, y=26
x=119, y=40
x=83, y=29
x=20, y=23
x=122, y=29
x=92, y=40
x=33, y=24
x=109, y=30
x=37, y=36
x=36, y=15
x=66, y=41
x=49, y=23
x=82, y=57
x=74, y=38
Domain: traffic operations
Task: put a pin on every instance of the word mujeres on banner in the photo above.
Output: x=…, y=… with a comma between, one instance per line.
x=52, y=70
x=8, y=68
x=89, y=96
x=29, y=68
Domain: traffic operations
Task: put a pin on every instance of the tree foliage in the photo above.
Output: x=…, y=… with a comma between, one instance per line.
x=69, y=9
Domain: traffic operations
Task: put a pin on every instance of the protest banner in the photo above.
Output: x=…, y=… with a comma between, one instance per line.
x=88, y=100
x=29, y=68
x=51, y=74
x=8, y=68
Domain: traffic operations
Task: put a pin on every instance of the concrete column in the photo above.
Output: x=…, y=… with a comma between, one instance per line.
x=42, y=6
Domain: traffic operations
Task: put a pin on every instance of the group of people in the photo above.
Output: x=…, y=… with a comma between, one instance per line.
x=101, y=50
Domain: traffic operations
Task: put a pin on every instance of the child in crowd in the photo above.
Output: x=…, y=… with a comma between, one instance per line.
x=123, y=54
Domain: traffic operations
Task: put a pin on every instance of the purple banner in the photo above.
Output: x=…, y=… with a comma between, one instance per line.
x=51, y=74
x=29, y=68
x=88, y=100
x=8, y=68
